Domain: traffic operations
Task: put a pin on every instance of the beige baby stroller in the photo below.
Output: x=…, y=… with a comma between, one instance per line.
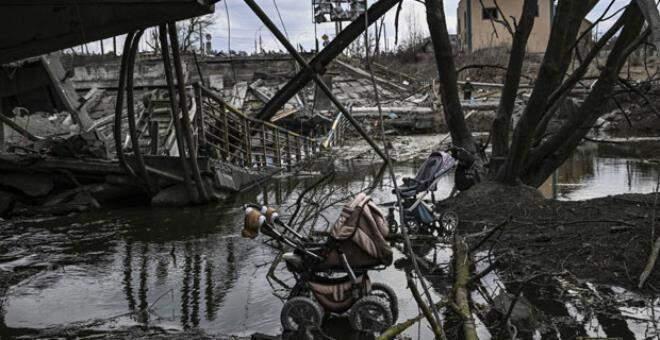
x=331, y=276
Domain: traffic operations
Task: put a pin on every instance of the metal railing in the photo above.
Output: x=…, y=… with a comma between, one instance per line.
x=235, y=138
x=336, y=136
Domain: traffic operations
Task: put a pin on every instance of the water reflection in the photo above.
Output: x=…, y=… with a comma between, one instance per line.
x=597, y=170
x=128, y=272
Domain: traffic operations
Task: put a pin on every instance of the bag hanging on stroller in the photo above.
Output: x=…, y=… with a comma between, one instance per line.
x=360, y=233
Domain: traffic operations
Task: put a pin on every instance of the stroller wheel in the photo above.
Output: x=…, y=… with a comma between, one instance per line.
x=413, y=227
x=370, y=314
x=448, y=222
x=386, y=293
x=299, y=312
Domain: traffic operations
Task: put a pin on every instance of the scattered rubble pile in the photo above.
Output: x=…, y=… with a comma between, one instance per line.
x=404, y=107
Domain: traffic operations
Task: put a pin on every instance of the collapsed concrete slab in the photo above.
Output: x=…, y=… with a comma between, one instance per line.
x=39, y=27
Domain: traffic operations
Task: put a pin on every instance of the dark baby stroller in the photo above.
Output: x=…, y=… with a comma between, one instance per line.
x=331, y=277
x=420, y=216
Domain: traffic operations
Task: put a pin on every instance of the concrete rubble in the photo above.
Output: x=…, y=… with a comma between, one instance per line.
x=73, y=137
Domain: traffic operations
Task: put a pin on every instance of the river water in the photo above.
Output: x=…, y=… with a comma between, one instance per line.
x=189, y=267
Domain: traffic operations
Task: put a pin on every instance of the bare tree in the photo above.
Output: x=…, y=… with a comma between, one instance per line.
x=190, y=32
x=532, y=153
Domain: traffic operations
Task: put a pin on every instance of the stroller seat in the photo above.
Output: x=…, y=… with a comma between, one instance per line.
x=433, y=167
x=409, y=188
x=358, y=234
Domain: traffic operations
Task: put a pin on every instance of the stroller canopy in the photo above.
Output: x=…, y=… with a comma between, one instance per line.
x=433, y=167
x=361, y=231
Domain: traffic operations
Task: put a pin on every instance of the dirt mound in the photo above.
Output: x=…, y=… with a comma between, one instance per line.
x=605, y=240
x=492, y=201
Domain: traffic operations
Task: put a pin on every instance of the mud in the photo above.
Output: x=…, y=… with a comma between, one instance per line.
x=603, y=240
x=576, y=262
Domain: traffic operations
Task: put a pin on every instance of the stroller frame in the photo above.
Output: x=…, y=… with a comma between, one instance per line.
x=302, y=264
x=418, y=215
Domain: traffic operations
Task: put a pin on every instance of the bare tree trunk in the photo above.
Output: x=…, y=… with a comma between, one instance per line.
x=2, y=135
x=461, y=136
x=554, y=151
x=650, y=11
x=560, y=94
x=556, y=61
x=502, y=122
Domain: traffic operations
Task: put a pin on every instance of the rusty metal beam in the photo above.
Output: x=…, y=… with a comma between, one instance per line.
x=315, y=76
x=324, y=57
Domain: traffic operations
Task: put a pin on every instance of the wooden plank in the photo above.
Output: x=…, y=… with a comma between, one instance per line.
x=364, y=74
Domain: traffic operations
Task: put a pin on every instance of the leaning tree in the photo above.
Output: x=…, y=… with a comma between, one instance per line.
x=529, y=152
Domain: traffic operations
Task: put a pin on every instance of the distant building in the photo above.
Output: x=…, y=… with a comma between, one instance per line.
x=477, y=31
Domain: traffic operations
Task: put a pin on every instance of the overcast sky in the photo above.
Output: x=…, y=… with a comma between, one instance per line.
x=297, y=17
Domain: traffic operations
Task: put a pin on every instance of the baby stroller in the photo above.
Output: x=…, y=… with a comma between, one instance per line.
x=331, y=276
x=420, y=216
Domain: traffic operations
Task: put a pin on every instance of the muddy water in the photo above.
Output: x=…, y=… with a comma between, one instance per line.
x=189, y=268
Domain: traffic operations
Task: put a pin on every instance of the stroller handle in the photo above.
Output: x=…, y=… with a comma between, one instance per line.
x=263, y=218
x=273, y=218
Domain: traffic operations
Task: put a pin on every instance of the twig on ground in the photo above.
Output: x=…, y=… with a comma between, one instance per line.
x=426, y=311
x=656, y=245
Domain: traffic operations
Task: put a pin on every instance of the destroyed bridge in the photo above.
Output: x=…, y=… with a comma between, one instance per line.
x=167, y=127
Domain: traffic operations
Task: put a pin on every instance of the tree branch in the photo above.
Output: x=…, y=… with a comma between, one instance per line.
x=557, y=58
x=501, y=124
x=461, y=136
x=554, y=151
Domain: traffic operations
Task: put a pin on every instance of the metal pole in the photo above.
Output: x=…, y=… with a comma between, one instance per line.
x=201, y=128
x=263, y=144
x=176, y=58
x=167, y=65
x=326, y=90
x=130, y=108
x=119, y=105
x=153, y=133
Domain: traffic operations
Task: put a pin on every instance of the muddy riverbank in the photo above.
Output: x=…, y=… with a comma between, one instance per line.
x=563, y=255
